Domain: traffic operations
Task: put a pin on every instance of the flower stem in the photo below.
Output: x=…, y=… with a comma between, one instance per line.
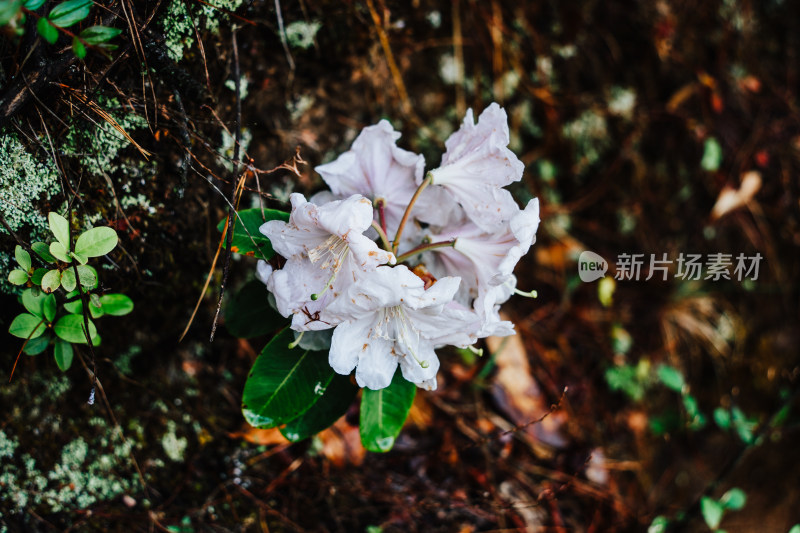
x=427, y=181
x=382, y=235
x=425, y=248
x=380, y=203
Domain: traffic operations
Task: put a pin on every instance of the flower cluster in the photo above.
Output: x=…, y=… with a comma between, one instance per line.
x=401, y=262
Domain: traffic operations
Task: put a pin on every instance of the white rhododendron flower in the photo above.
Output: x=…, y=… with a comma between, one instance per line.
x=389, y=318
x=326, y=251
x=484, y=259
x=477, y=164
x=456, y=223
x=376, y=168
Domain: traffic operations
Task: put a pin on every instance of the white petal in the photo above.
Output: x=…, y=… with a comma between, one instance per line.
x=344, y=216
x=413, y=371
x=376, y=364
x=367, y=254
x=349, y=340
x=263, y=271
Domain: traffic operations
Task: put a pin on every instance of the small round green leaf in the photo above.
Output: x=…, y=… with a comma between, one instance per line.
x=51, y=281
x=70, y=329
x=43, y=250
x=88, y=276
x=73, y=304
x=58, y=251
x=383, y=413
x=60, y=228
x=9, y=11
x=23, y=258
x=671, y=377
x=116, y=304
x=49, y=307
x=734, y=499
x=33, y=302
x=712, y=511
x=48, y=32
x=96, y=242
x=63, y=354
x=37, y=345
x=18, y=277
x=26, y=326
x=68, y=280
x=33, y=5
x=99, y=34
x=78, y=48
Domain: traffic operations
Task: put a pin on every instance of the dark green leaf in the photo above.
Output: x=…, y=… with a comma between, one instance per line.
x=734, y=499
x=384, y=411
x=51, y=281
x=248, y=314
x=116, y=304
x=722, y=417
x=99, y=34
x=37, y=345
x=68, y=280
x=259, y=245
x=80, y=52
x=96, y=242
x=48, y=32
x=63, y=354
x=58, y=251
x=284, y=383
x=27, y=326
x=70, y=328
x=43, y=251
x=73, y=304
x=70, y=12
x=23, y=258
x=60, y=227
x=33, y=5
x=33, y=302
x=9, y=10
x=18, y=277
x=49, y=307
x=37, y=276
x=712, y=511
x=335, y=401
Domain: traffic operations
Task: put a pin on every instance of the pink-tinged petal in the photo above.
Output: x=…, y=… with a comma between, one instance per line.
x=294, y=284
x=349, y=340
x=437, y=206
x=383, y=287
x=289, y=241
x=376, y=364
x=487, y=309
x=263, y=271
x=439, y=293
x=452, y=324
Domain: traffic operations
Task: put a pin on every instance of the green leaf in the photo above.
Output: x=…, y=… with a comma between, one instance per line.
x=9, y=10
x=712, y=511
x=335, y=401
x=60, y=252
x=51, y=281
x=63, y=354
x=33, y=5
x=60, y=228
x=37, y=276
x=671, y=377
x=33, y=302
x=37, y=345
x=23, y=258
x=70, y=12
x=96, y=242
x=722, y=417
x=68, y=280
x=248, y=314
x=74, y=306
x=259, y=245
x=48, y=32
x=99, y=34
x=795, y=529
x=78, y=49
x=80, y=258
x=49, y=307
x=70, y=328
x=284, y=382
x=27, y=326
x=384, y=411
x=734, y=499
x=88, y=276
x=18, y=277
x=658, y=525
x=712, y=155
x=116, y=304
x=43, y=251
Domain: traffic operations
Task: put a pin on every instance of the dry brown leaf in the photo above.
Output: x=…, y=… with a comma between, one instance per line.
x=260, y=437
x=730, y=199
x=516, y=392
x=341, y=444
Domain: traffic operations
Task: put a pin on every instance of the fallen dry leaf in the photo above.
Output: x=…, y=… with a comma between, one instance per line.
x=341, y=444
x=730, y=199
x=260, y=437
x=518, y=395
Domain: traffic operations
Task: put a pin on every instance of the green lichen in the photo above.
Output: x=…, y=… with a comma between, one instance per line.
x=174, y=446
x=178, y=26
x=300, y=34
x=589, y=133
